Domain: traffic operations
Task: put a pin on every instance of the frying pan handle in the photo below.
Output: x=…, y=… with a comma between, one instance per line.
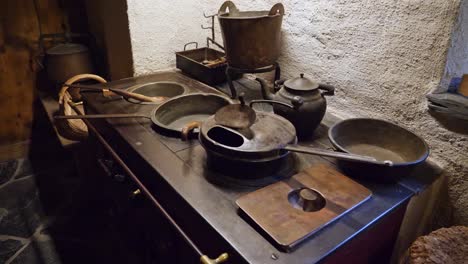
x=189, y=128
x=337, y=155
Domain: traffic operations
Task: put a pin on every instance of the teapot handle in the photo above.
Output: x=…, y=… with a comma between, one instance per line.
x=328, y=89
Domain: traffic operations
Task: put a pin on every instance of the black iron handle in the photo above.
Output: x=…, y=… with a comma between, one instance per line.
x=296, y=102
x=193, y=42
x=337, y=155
x=328, y=89
x=209, y=15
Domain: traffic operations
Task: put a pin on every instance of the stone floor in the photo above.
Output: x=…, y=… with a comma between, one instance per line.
x=47, y=217
x=54, y=209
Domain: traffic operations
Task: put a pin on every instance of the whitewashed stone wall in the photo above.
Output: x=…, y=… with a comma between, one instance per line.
x=384, y=56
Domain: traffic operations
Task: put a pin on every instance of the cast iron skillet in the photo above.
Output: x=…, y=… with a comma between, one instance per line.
x=172, y=116
x=273, y=137
x=382, y=140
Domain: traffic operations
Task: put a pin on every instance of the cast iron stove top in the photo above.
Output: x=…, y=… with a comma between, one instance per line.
x=202, y=201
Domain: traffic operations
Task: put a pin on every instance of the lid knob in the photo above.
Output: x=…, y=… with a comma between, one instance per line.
x=302, y=75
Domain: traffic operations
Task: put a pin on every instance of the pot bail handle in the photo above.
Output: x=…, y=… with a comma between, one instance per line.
x=276, y=9
x=228, y=4
x=328, y=89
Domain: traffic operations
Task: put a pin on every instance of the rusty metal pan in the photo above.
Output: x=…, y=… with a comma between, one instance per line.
x=174, y=114
x=380, y=139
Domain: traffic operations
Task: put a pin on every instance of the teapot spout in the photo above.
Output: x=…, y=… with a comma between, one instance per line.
x=266, y=93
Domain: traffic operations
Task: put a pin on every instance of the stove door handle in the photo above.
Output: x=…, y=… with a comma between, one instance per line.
x=222, y=258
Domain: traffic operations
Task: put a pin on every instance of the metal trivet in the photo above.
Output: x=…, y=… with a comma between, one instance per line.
x=232, y=71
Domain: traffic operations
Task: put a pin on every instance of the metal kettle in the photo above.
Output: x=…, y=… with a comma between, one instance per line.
x=303, y=102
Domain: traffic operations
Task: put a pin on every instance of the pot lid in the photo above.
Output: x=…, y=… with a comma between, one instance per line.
x=66, y=49
x=301, y=84
x=269, y=132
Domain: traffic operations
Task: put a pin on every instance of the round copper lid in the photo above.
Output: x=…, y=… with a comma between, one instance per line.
x=301, y=84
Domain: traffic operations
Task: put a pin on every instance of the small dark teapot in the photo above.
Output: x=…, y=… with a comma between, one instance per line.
x=308, y=104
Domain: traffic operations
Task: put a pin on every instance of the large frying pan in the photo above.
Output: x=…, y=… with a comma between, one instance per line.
x=274, y=137
x=270, y=137
x=172, y=116
x=380, y=139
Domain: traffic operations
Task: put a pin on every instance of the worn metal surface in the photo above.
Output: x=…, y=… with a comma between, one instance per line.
x=233, y=72
x=190, y=62
x=236, y=115
x=382, y=140
x=67, y=60
x=274, y=209
x=124, y=93
x=251, y=38
x=176, y=113
x=175, y=172
x=157, y=89
x=269, y=138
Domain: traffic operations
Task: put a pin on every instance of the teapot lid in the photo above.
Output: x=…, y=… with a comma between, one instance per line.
x=301, y=84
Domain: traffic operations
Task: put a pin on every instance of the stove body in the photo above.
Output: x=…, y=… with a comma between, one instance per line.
x=203, y=201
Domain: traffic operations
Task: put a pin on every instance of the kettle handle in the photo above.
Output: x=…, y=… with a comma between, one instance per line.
x=328, y=89
x=296, y=102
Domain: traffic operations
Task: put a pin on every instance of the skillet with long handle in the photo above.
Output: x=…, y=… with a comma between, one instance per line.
x=233, y=141
x=172, y=115
x=136, y=96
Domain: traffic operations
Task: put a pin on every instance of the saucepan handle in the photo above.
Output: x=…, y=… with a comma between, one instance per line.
x=328, y=89
x=276, y=9
x=228, y=4
x=185, y=132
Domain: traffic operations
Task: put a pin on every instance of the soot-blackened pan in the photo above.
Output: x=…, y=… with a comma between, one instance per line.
x=174, y=114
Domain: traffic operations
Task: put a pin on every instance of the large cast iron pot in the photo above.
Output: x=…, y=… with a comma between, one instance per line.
x=67, y=60
x=251, y=38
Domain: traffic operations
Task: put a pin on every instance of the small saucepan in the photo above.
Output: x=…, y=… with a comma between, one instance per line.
x=172, y=116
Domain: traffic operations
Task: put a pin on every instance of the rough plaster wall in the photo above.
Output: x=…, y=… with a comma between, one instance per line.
x=158, y=28
x=457, y=58
x=382, y=55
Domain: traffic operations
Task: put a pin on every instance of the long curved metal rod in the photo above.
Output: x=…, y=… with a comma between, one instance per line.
x=204, y=259
x=337, y=155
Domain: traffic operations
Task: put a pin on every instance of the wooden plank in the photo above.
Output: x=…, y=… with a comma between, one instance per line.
x=289, y=225
x=19, y=34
